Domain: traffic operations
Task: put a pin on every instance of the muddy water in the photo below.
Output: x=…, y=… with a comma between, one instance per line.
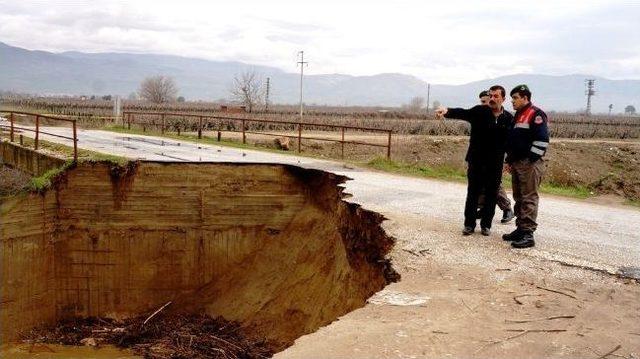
x=19, y=351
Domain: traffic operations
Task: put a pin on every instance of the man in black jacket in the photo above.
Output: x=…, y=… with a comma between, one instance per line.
x=489, y=127
x=502, y=200
x=527, y=143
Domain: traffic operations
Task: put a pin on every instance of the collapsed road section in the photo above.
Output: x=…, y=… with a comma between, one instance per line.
x=274, y=248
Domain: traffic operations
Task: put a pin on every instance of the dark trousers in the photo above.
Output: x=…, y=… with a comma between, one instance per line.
x=483, y=178
x=503, y=200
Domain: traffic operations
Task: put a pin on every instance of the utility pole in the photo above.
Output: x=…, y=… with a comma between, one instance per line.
x=266, y=97
x=590, y=83
x=117, y=107
x=428, y=96
x=302, y=64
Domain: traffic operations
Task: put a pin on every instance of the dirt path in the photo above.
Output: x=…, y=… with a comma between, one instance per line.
x=469, y=295
x=462, y=289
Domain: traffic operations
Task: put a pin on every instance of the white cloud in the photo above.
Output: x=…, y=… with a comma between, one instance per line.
x=449, y=42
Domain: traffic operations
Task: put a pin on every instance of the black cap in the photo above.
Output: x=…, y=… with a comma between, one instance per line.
x=521, y=87
x=484, y=93
x=523, y=90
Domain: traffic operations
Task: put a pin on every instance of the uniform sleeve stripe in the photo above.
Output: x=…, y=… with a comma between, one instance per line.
x=530, y=114
x=537, y=151
x=541, y=144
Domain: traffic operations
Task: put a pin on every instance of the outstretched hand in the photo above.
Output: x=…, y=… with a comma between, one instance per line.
x=440, y=112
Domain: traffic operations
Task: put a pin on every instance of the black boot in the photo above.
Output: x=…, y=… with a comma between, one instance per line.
x=516, y=235
x=525, y=242
x=507, y=216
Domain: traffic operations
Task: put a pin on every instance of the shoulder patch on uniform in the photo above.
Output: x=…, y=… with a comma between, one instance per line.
x=538, y=120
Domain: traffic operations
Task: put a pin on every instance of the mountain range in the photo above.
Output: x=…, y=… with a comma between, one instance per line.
x=78, y=73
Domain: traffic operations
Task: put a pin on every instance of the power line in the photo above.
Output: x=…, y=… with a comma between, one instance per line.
x=266, y=97
x=590, y=91
x=302, y=63
x=428, y=96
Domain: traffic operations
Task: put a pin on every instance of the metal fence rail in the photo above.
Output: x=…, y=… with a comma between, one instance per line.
x=129, y=118
x=12, y=128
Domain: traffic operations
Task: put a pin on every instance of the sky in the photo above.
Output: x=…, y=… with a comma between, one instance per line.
x=445, y=42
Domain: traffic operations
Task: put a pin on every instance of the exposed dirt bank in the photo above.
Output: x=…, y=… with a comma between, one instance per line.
x=272, y=247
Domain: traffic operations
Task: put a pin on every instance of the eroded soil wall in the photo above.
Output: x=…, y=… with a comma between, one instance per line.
x=271, y=246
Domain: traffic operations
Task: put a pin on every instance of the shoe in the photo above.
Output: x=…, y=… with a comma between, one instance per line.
x=467, y=231
x=525, y=242
x=507, y=216
x=516, y=235
x=485, y=231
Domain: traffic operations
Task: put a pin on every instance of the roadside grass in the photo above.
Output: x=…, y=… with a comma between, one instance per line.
x=566, y=191
x=44, y=181
x=440, y=172
x=64, y=151
x=449, y=173
x=633, y=203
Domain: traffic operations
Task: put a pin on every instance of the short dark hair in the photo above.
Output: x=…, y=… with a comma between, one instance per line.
x=522, y=90
x=483, y=94
x=503, y=92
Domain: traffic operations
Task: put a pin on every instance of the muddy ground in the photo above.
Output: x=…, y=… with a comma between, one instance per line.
x=157, y=336
x=474, y=297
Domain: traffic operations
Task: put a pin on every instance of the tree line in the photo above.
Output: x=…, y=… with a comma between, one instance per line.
x=247, y=89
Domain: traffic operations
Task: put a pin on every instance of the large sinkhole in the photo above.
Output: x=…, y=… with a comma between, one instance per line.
x=272, y=247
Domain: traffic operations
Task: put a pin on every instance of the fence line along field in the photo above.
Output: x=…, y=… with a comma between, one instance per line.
x=97, y=113
x=603, y=158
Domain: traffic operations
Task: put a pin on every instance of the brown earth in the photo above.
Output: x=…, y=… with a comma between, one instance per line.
x=12, y=181
x=474, y=297
x=483, y=300
x=273, y=247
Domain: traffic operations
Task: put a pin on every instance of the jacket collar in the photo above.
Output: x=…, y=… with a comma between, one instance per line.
x=526, y=107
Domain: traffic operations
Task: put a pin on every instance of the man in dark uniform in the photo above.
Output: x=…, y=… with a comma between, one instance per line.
x=503, y=200
x=527, y=143
x=489, y=127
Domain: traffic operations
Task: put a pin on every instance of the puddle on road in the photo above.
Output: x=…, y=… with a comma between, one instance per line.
x=19, y=351
x=172, y=157
x=151, y=141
